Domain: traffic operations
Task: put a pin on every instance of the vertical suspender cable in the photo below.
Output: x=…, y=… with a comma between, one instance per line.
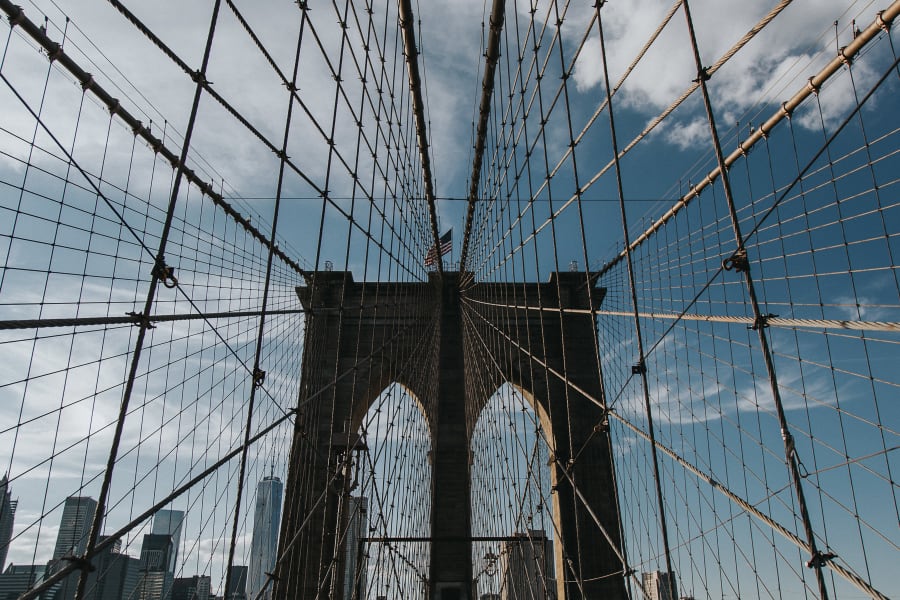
x=740, y=262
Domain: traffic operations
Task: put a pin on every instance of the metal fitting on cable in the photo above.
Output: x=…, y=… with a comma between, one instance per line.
x=141, y=320
x=81, y=563
x=199, y=77
x=812, y=87
x=788, y=113
x=761, y=322
x=820, y=559
x=737, y=261
x=165, y=274
x=842, y=53
x=639, y=368
x=17, y=18
x=259, y=377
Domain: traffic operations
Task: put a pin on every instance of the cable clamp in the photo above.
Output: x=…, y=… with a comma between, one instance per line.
x=165, y=274
x=81, y=563
x=603, y=425
x=820, y=559
x=87, y=82
x=140, y=319
x=200, y=77
x=259, y=377
x=19, y=16
x=55, y=53
x=788, y=113
x=812, y=87
x=842, y=54
x=761, y=322
x=879, y=19
x=703, y=75
x=737, y=261
x=639, y=368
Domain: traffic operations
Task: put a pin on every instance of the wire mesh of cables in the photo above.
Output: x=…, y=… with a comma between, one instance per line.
x=225, y=385
x=153, y=324
x=746, y=327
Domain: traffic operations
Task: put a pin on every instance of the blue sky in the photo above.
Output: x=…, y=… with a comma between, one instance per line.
x=847, y=378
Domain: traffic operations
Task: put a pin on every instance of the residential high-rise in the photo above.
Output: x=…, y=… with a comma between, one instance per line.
x=264, y=544
x=660, y=586
x=74, y=527
x=168, y=522
x=354, y=556
x=7, y=516
x=526, y=567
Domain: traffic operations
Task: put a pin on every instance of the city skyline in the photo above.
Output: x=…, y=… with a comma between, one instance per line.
x=116, y=574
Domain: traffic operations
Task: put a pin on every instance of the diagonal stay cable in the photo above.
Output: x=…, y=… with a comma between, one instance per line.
x=881, y=23
x=54, y=51
x=180, y=490
x=207, y=87
x=846, y=573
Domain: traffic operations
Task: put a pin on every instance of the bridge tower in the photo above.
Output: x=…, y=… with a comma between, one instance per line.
x=386, y=323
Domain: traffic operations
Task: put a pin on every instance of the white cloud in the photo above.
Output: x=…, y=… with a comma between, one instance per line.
x=767, y=71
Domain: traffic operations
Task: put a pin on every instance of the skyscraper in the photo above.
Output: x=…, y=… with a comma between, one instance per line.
x=74, y=526
x=168, y=522
x=7, y=516
x=526, y=565
x=660, y=586
x=17, y=579
x=192, y=588
x=155, y=577
x=237, y=587
x=114, y=576
x=264, y=544
x=354, y=561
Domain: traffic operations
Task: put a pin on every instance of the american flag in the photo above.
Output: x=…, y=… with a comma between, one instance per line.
x=446, y=245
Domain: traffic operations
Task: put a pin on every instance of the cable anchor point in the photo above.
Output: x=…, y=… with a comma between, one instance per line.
x=639, y=368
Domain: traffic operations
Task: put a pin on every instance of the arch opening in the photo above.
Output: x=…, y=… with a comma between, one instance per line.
x=388, y=510
x=513, y=514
